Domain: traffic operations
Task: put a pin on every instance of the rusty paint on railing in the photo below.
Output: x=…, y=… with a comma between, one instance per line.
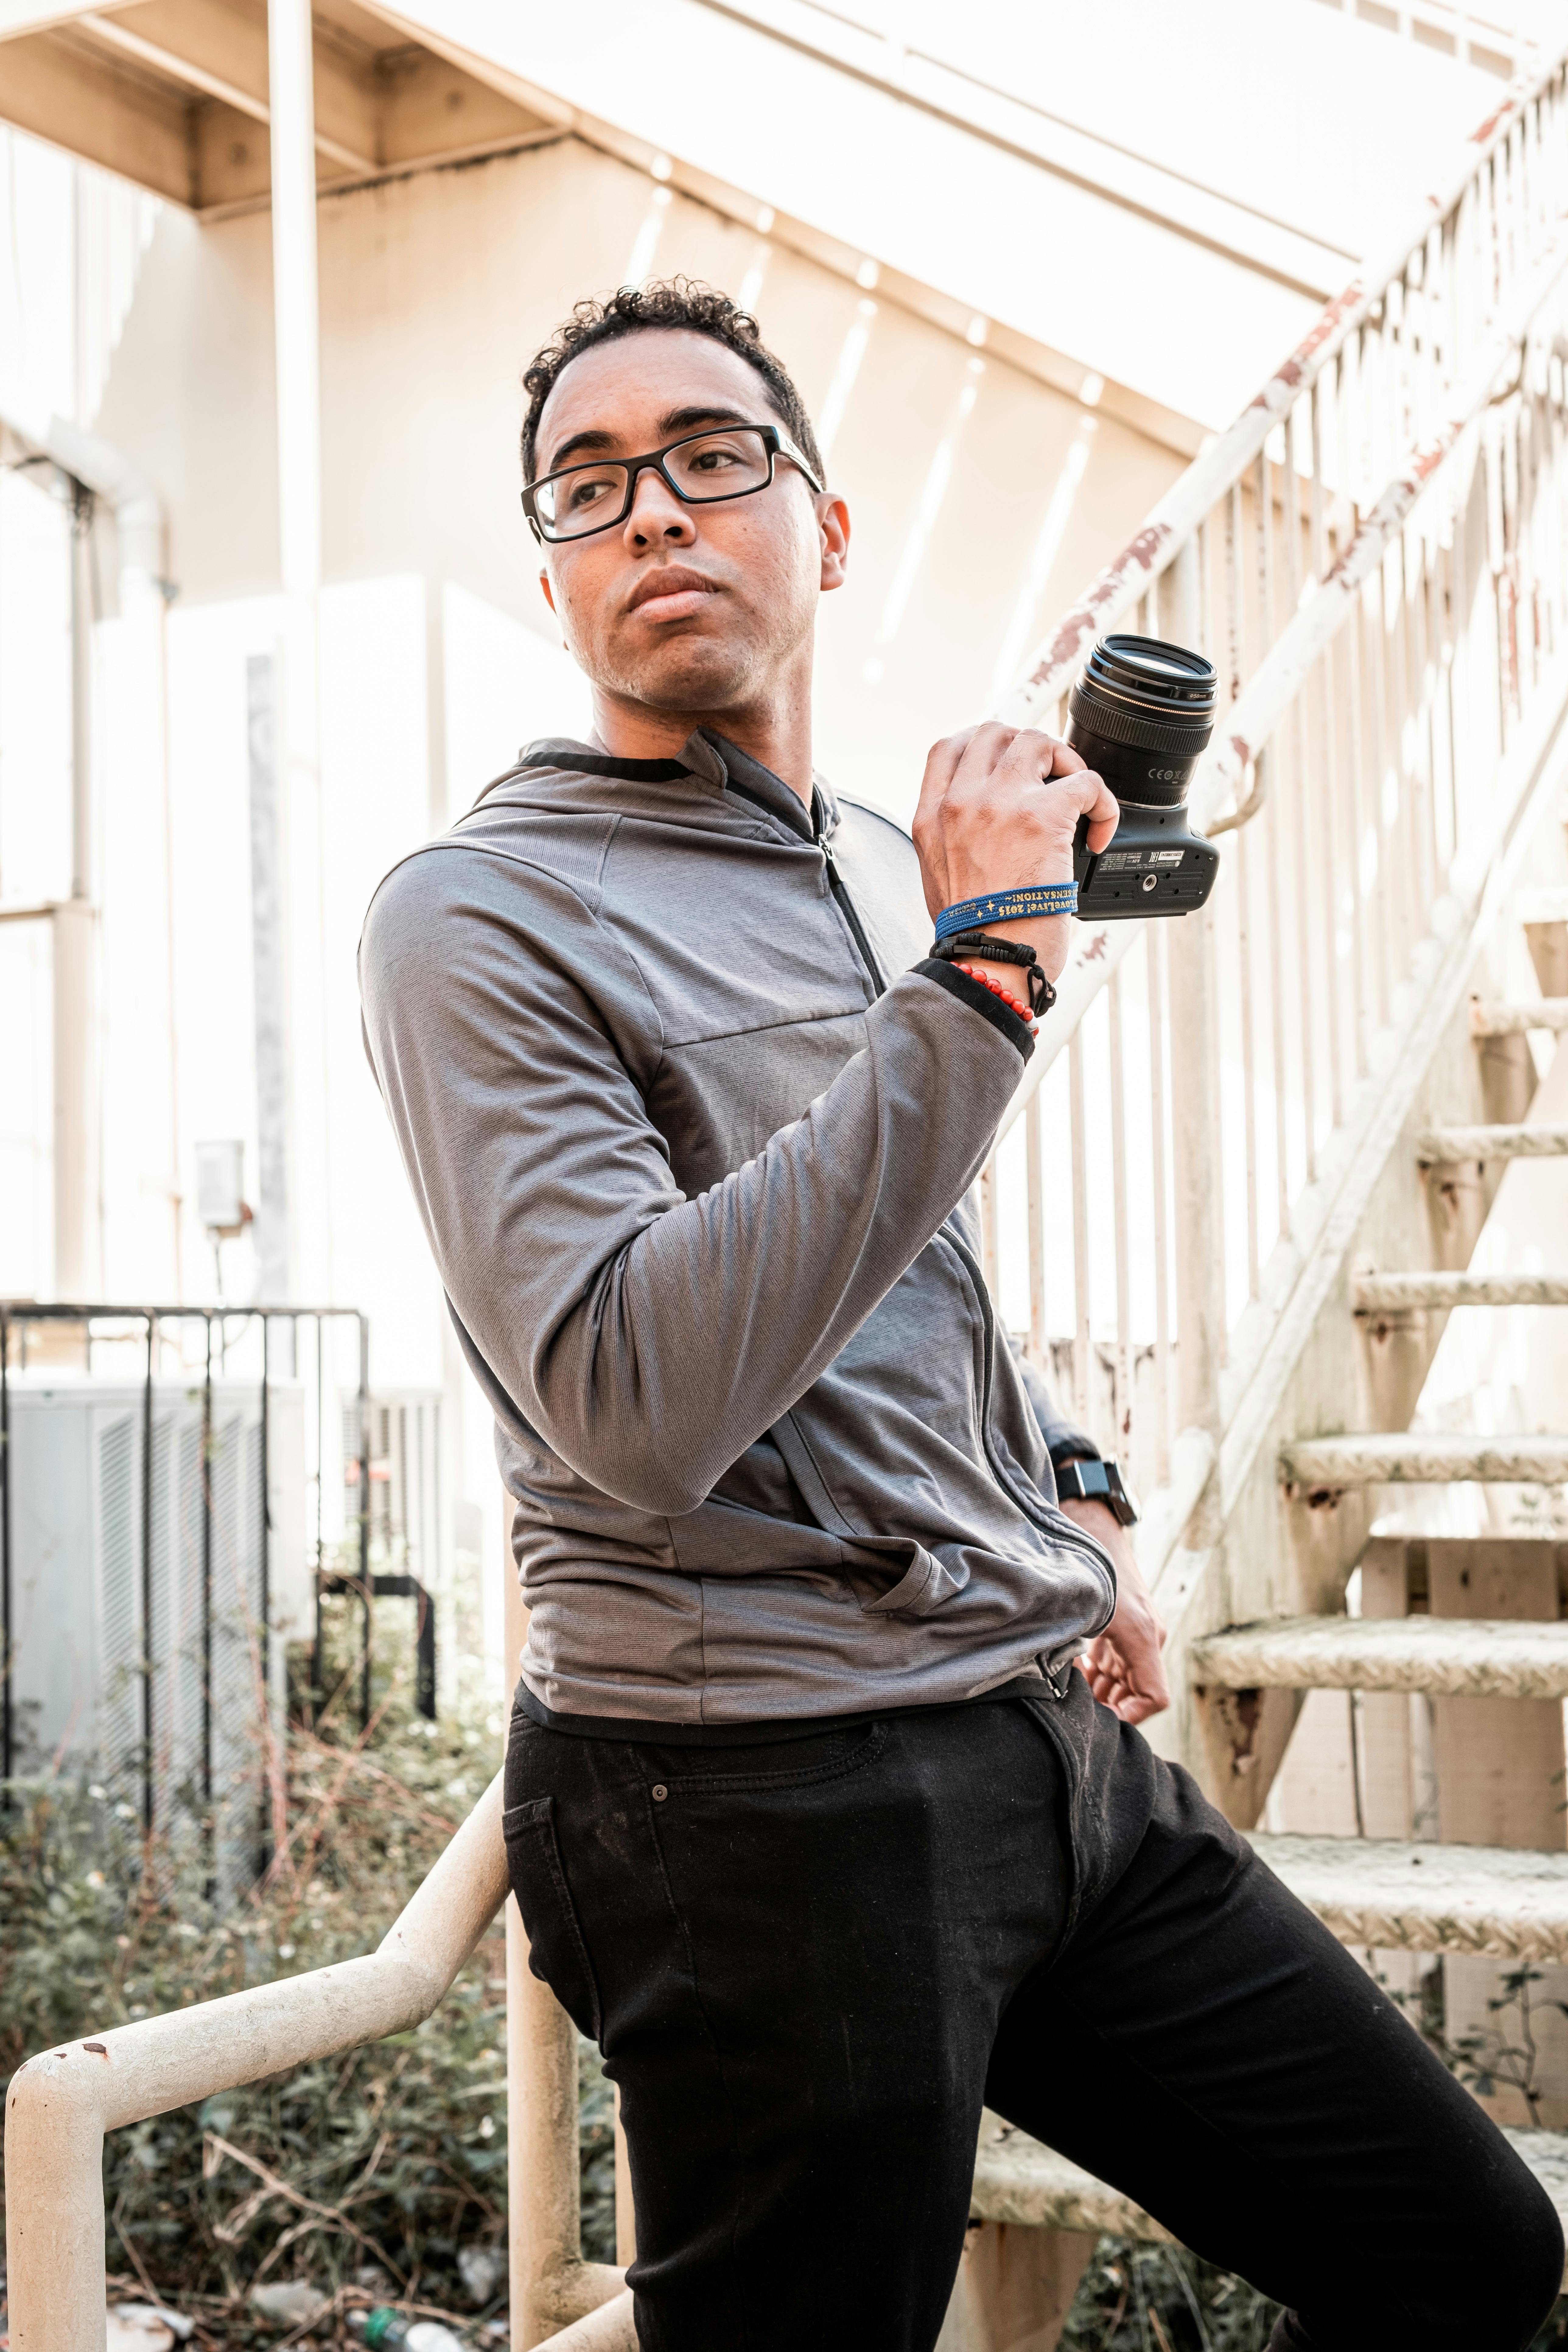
x=1129, y=574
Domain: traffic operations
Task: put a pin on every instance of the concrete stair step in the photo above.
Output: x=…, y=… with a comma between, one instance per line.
x=1423, y=1457
x=1497, y=1020
x=1451, y=1658
x=1019, y=2180
x=1527, y=1140
x=1391, y=1294
x=1496, y=1900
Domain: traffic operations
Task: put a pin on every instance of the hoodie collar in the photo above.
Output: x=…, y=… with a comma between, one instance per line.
x=711, y=758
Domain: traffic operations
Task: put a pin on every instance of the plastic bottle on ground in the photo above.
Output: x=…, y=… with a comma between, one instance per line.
x=384, y=2330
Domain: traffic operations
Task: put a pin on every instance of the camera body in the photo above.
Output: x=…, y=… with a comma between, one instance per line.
x=1141, y=715
x=1153, y=864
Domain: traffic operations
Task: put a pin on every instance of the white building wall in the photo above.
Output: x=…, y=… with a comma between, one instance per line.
x=980, y=501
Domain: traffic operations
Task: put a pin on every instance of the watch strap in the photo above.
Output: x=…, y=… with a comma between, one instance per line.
x=1097, y=1482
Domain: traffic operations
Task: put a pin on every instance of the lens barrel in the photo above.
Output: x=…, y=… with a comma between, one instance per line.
x=1140, y=713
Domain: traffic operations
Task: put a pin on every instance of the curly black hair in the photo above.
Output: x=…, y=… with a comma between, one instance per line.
x=676, y=303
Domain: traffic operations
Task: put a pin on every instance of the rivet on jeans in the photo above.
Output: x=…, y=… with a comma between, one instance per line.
x=659, y=1793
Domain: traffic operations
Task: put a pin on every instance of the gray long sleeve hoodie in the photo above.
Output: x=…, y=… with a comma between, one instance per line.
x=691, y=1124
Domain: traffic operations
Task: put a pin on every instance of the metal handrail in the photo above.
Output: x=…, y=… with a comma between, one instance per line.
x=60, y=2103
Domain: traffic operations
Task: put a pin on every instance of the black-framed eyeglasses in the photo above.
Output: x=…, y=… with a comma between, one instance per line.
x=728, y=461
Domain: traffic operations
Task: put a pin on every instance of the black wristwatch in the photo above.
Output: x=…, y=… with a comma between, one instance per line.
x=1096, y=1482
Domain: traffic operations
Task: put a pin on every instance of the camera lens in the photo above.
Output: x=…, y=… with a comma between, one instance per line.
x=1140, y=713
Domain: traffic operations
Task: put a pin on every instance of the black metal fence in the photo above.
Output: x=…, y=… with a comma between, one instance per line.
x=19, y=1317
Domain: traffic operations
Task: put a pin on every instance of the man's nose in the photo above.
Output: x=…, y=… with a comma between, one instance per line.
x=658, y=517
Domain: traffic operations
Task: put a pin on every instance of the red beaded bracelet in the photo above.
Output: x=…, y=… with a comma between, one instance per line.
x=1009, y=999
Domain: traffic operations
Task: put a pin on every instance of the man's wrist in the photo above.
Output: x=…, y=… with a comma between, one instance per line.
x=1090, y=1480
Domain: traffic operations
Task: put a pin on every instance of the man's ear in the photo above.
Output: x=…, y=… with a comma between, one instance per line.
x=545, y=583
x=832, y=521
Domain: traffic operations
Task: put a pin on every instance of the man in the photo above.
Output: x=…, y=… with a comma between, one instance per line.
x=812, y=1822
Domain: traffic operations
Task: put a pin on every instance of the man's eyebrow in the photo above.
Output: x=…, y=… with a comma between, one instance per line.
x=595, y=438
x=674, y=421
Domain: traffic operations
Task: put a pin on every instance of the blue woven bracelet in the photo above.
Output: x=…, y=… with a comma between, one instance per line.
x=1009, y=907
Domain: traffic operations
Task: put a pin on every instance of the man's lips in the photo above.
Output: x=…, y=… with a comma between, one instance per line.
x=670, y=594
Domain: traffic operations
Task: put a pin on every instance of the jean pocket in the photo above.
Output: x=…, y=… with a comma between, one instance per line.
x=557, y=1951
x=804, y=1764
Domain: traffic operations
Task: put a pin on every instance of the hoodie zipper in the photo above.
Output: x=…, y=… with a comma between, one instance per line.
x=846, y=907
x=1065, y=1532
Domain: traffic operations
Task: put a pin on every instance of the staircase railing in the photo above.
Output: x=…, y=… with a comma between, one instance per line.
x=1374, y=556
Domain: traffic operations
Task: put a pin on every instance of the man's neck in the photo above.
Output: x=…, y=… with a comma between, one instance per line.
x=778, y=739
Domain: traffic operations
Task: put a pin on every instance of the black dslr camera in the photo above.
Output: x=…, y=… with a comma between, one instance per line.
x=1141, y=714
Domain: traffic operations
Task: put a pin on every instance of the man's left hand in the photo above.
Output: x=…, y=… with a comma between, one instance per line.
x=1123, y=1665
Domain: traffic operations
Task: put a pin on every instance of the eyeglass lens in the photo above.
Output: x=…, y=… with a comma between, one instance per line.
x=711, y=465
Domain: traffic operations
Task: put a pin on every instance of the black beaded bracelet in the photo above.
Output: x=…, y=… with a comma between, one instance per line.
x=986, y=949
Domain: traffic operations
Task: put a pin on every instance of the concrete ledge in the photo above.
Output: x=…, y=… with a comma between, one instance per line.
x=1420, y=1456
x=1392, y=1294
x=1496, y=1900
x=1511, y=1020
x=1019, y=2180
x=1441, y=1145
x=1455, y=1657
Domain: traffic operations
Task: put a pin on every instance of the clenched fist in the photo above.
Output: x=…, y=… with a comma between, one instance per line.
x=998, y=809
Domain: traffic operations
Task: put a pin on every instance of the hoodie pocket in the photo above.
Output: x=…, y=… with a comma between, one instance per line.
x=923, y=1587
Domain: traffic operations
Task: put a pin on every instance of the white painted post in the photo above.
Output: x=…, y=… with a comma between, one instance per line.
x=290, y=71
x=1194, y=1126
x=550, y=2284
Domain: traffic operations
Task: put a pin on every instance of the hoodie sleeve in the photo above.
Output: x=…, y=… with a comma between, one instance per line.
x=646, y=1337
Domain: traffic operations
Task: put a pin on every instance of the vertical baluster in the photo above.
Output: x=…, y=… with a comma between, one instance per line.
x=1119, y=1210
x=1081, y=1331
x=1154, y=952
x=1373, y=606
x=1196, y=1136
x=1418, y=693
x=1460, y=723
x=1245, y=995
x=1273, y=818
x=1346, y=393
x=1039, y=1343
x=1271, y=815
x=1326, y=780
x=1305, y=995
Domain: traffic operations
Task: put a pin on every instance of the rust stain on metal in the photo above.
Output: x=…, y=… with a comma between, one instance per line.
x=1138, y=555
x=1494, y=121
x=1290, y=373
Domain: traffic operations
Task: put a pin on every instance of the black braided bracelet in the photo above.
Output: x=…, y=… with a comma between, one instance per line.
x=986, y=949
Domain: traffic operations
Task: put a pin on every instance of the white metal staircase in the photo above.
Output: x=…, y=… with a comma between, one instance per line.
x=1381, y=1894
x=1332, y=1074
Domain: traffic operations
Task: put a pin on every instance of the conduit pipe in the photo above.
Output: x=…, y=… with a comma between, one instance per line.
x=99, y=466
x=60, y=2104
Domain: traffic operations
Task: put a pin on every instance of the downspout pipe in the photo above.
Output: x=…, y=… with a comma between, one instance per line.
x=108, y=473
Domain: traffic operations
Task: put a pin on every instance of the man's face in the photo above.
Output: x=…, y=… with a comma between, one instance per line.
x=682, y=608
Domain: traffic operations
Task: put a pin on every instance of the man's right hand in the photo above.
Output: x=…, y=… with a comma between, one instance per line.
x=998, y=809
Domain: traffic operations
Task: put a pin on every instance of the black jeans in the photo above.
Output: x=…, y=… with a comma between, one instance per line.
x=807, y=1964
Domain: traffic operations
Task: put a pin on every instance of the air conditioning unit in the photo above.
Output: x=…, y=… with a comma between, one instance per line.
x=152, y=1592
